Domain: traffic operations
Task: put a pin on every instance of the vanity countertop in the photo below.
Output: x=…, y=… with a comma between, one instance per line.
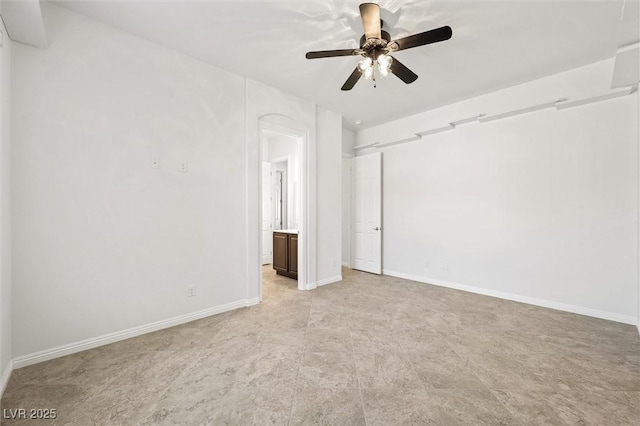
x=286, y=231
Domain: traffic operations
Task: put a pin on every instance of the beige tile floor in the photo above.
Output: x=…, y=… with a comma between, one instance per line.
x=369, y=350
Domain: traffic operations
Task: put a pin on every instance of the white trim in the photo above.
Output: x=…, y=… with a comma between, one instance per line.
x=248, y=303
x=347, y=155
x=605, y=97
x=611, y=316
x=346, y=264
x=83, y=345
x=247, y=197
x=368, y=145
x=560, y=104
x=414, y=138
x=6, y=375
x=280, y=159
x=473, y=119
x=436, y=130
x=638, y=212
x=329, y=280
x=308, y=286
x=521, y=111
x=628, y=47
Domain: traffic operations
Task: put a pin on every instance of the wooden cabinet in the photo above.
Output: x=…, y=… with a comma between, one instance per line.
x=280, y=252
x=285, y=254
x=293, y=254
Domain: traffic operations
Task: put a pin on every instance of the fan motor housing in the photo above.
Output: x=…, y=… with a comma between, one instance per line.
x=374, y=43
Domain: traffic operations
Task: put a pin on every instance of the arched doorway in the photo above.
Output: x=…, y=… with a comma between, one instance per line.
x=299, y=214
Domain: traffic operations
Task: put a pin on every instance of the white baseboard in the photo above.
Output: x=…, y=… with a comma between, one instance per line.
x=4, y=379
x=252, y=302
x=346, y=264
x=330, y=280
x=83, y=345
x=308, y=286
x=611, y=316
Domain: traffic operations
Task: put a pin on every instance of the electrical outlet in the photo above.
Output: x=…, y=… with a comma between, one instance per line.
x=191, y=292
x=184, y=167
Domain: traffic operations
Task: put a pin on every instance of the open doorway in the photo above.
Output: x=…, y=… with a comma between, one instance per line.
x=282, y=174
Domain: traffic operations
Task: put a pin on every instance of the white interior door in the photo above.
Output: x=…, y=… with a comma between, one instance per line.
x=366, y=178
x=267, y=216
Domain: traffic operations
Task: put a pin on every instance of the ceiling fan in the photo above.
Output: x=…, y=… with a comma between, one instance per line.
x=376, y=46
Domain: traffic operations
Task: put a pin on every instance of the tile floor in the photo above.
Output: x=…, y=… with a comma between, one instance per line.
x=370, y=350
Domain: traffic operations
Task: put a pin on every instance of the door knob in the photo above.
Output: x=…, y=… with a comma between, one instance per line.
x=376, y=228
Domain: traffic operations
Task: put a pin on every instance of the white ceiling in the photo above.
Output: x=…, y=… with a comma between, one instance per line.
x=495, y=44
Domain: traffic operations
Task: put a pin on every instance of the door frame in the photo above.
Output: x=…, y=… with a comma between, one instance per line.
x=270, y=209
x=306, y=203
x=287, y=159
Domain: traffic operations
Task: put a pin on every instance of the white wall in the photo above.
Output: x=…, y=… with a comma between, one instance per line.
x=5, y=210
x=348, y=143
x=329, y=171
x=539, y=207
x=105, y=244
x=103, y=241
x=346, y=211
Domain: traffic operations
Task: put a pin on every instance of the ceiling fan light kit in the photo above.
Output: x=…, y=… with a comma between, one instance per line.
x=380, y=66
x=376, y=47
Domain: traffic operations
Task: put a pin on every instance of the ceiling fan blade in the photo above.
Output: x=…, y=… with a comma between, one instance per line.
x=427, y=37
x=331, y=53
x=370, y=13
x=352, y=80
x=403, y=73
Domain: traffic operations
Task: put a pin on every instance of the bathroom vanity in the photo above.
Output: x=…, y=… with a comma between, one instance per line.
x=285, y=252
